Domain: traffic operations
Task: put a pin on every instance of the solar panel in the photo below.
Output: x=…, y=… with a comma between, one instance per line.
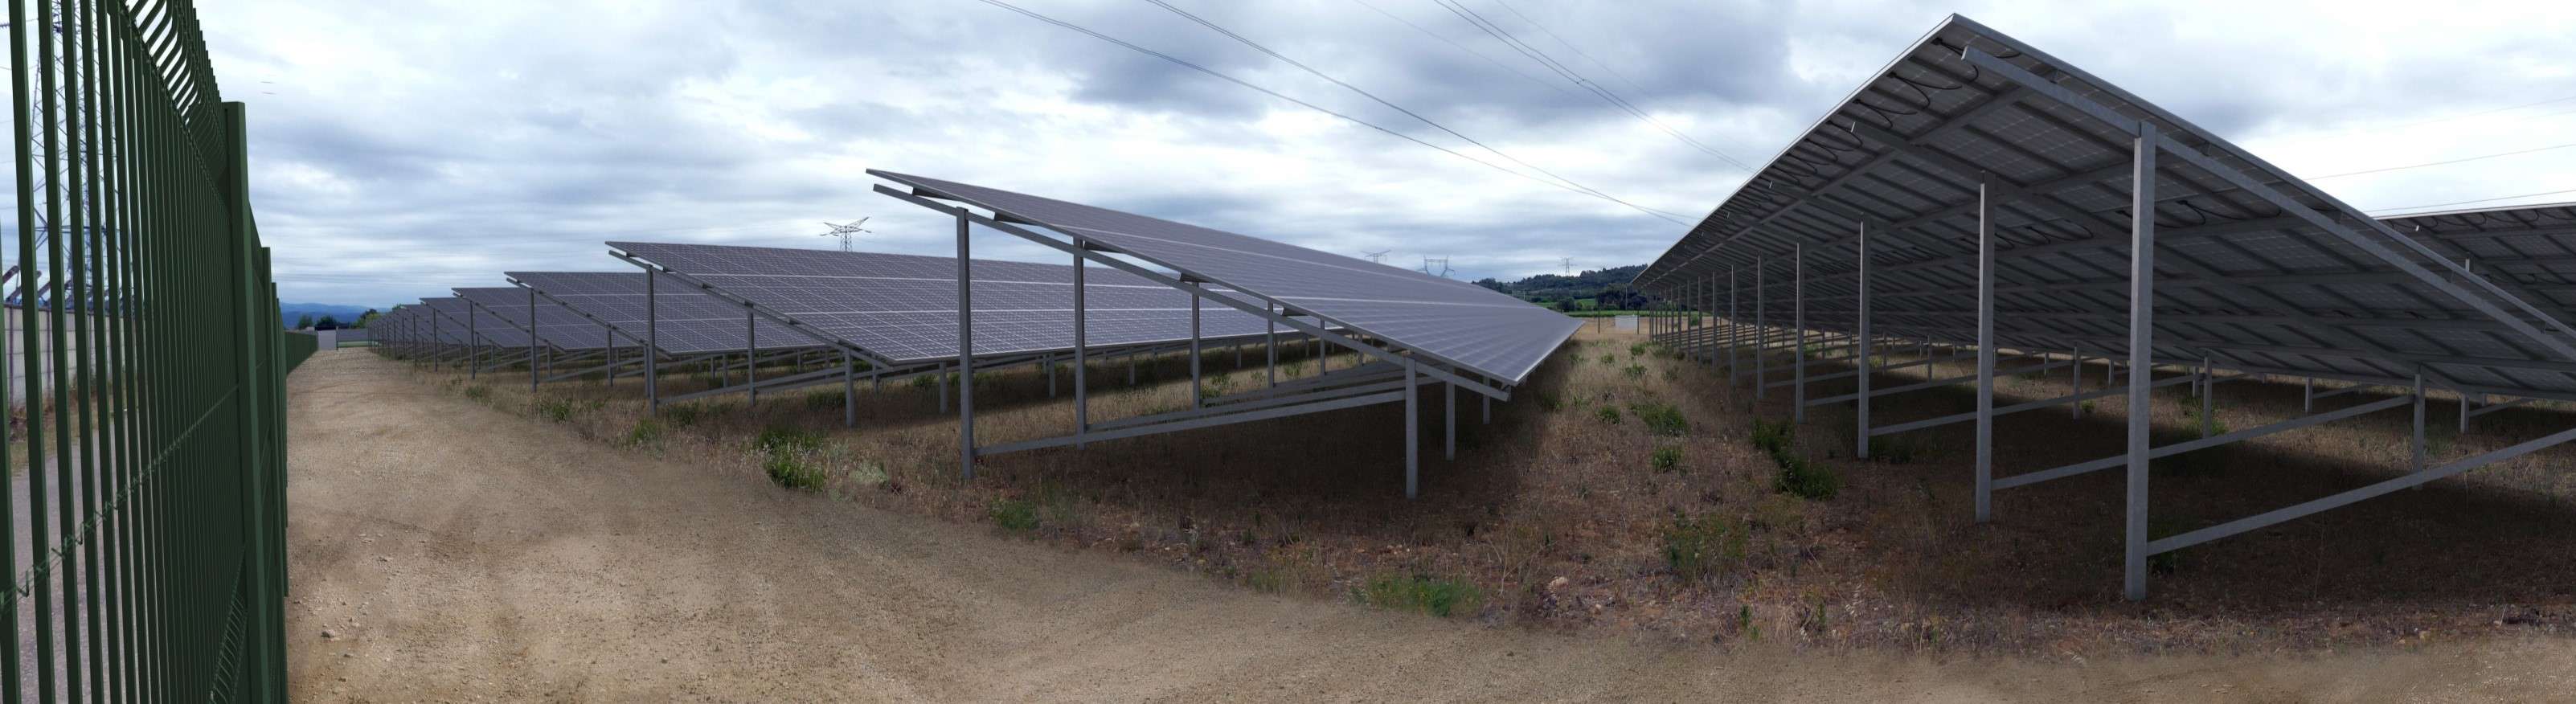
x=2255, y=269
x=1458, y=323
x=685, y=319
x=557, y=326
x=903, y=308
x=452, y=326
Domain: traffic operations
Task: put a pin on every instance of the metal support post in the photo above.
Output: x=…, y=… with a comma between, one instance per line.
x=1713, y=327
x=1860, y=306
x=2075, y=380
x=1195, y=400
x=2142, y=311
x=533, y=372
x=751, y=353
x=1985, y=354
x=1798, y=304
x=1412, y=424
x=849, y=389
x=2308, y=395
x=1081, y=355
x=1761, y=335
x=2208, y=399
x=2418, y=448
x=1270, y=341
x=1449, y=411
x=965, y=352
x=1733, y=318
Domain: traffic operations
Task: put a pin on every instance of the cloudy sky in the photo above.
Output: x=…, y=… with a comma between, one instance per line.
x=399, y=149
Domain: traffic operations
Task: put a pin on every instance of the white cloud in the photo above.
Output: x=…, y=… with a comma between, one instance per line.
x=403, y=148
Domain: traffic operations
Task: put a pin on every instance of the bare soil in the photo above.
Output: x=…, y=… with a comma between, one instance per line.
x=443, y=549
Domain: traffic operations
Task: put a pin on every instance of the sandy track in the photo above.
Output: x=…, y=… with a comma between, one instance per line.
x=455, y=552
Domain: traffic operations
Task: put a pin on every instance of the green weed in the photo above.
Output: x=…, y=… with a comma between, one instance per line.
x=793, y=471
x=1015, y=515
x=1701, y=548
x=1431, y=595
x=1607, y=415
x=1667, y=459
x=1806, y=479
x=1661, y=418
x=646, y=432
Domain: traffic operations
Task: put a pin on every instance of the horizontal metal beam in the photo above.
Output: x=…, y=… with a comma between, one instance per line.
x=2412, y=479
x=2212, y=441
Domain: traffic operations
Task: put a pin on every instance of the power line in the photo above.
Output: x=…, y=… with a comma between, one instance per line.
x=1246, y=41
x=1498, y=63
x=1535, y=54
x=1310, y=106
x=2441, y=163
x=2376, y=211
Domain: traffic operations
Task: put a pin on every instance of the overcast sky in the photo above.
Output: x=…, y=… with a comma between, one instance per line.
x=399, y=149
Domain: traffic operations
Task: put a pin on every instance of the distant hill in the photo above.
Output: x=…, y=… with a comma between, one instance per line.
x=290, y=312
x=1597, y=289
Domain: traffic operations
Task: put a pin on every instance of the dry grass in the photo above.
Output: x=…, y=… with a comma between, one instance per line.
x=1567, y=509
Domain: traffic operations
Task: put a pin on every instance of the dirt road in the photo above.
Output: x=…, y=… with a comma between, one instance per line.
x=443, y=550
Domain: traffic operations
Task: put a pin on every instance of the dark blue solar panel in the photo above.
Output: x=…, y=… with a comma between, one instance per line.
x=1467, y=325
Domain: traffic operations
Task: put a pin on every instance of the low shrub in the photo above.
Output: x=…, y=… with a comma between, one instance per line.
x=1431, y=595
x=1701, y=548
x=1548, y=402
x=478, y=393
x=793, y=470
x=683, y=415
x=1667, y=458
x=1772, y=436
x=779, y=439
x=1014, y=515
x=563, y=409
x=1661, y=418
x=646, y=432
x=1805, y=479
x=1609, y=360
x=1637, y=350
x=1607, y=415
x=1634, y=371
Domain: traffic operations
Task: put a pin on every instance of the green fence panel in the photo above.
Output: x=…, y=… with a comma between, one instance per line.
x=154, y=448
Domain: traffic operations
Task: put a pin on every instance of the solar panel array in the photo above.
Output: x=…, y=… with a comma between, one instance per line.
x=2530, y=249
x=685, y=319
x=2251, y=282
x=1462, y=324
x=557, y=326
x=484, y=328
x=903, y=308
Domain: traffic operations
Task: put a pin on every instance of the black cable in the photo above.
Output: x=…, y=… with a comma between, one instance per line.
x=1310, y=106
x=1247, y=41
x=1534, y=54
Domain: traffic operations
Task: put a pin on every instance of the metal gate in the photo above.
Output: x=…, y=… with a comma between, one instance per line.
x=148, y=557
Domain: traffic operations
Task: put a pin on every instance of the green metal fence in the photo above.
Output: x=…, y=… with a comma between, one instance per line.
x=149, y=557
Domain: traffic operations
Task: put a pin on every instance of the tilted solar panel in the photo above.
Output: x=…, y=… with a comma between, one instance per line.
x=1462, y=324
x=685, y=319
x=557, y=326
x=454, y=327
x=2254, y=268
x=903, y=307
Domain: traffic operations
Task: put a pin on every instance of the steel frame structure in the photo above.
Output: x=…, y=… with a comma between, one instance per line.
x=1388, y=374
x=879, y=368
x=1975, y=167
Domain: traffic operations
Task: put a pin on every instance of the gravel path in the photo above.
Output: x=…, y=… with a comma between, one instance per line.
x=446, y=551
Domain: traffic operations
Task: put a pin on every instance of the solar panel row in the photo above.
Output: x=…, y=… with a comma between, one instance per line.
x=903, y=308
x=1455, y=322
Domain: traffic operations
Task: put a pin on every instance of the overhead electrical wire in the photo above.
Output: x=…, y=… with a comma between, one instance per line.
x=2377, y=211
x=1498, y=63
x=1568, y=73
x=1310, y=106
x=1246, y=41
x=2442, y=163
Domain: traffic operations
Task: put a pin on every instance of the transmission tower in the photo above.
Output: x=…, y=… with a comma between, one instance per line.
x=846, y=231
x=1568, y=263
x=1442, y=262
x=1377, y=256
